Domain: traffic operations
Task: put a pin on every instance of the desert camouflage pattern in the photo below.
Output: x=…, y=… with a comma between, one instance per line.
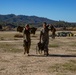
x=26, y=40
x=45, y=39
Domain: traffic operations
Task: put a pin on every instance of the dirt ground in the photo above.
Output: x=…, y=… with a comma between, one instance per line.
x=61, y=59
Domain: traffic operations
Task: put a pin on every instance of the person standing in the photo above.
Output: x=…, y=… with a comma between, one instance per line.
x=44, y=38
x=26, y=39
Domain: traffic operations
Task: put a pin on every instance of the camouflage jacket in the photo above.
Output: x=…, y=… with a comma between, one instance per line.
x=26, y=34
x=44, y=35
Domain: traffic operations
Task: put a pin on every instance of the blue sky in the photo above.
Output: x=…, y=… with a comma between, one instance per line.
x=64, y=10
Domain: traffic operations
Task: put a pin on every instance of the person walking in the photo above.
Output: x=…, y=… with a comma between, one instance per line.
x=44, y=38
x=26, y=39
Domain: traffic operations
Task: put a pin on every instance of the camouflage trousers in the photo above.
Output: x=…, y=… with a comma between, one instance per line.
x=26, y=46
x=46, y=48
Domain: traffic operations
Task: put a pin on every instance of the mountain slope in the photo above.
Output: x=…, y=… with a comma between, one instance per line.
x=22, y=19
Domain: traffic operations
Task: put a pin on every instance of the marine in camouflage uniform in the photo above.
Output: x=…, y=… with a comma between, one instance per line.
x=26, y=39
x=44, y=38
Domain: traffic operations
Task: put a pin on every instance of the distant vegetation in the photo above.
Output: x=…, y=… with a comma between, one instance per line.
x=22, y=20
x=11, y=21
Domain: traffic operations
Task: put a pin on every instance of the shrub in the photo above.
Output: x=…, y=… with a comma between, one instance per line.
x=18, y=35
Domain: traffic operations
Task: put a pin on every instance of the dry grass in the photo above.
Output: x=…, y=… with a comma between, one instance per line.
x=61, y=61
x=64, y=67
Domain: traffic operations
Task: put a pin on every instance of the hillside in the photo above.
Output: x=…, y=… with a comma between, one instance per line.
x=22, y=19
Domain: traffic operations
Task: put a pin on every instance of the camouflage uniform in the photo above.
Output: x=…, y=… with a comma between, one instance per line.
x=26, y=40
x=44, y=34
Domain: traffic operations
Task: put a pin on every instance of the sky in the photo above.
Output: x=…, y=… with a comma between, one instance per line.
x=63, y=10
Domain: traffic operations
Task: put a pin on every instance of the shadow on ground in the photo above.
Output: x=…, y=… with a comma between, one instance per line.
x=54, y=55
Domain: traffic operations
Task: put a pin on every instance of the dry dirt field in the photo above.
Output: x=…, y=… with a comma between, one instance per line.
x=61, y=59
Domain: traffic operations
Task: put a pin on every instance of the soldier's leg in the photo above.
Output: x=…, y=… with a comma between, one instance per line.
x=25, y=49
x=24, y=45
x=46, y=50
x=28, y=48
